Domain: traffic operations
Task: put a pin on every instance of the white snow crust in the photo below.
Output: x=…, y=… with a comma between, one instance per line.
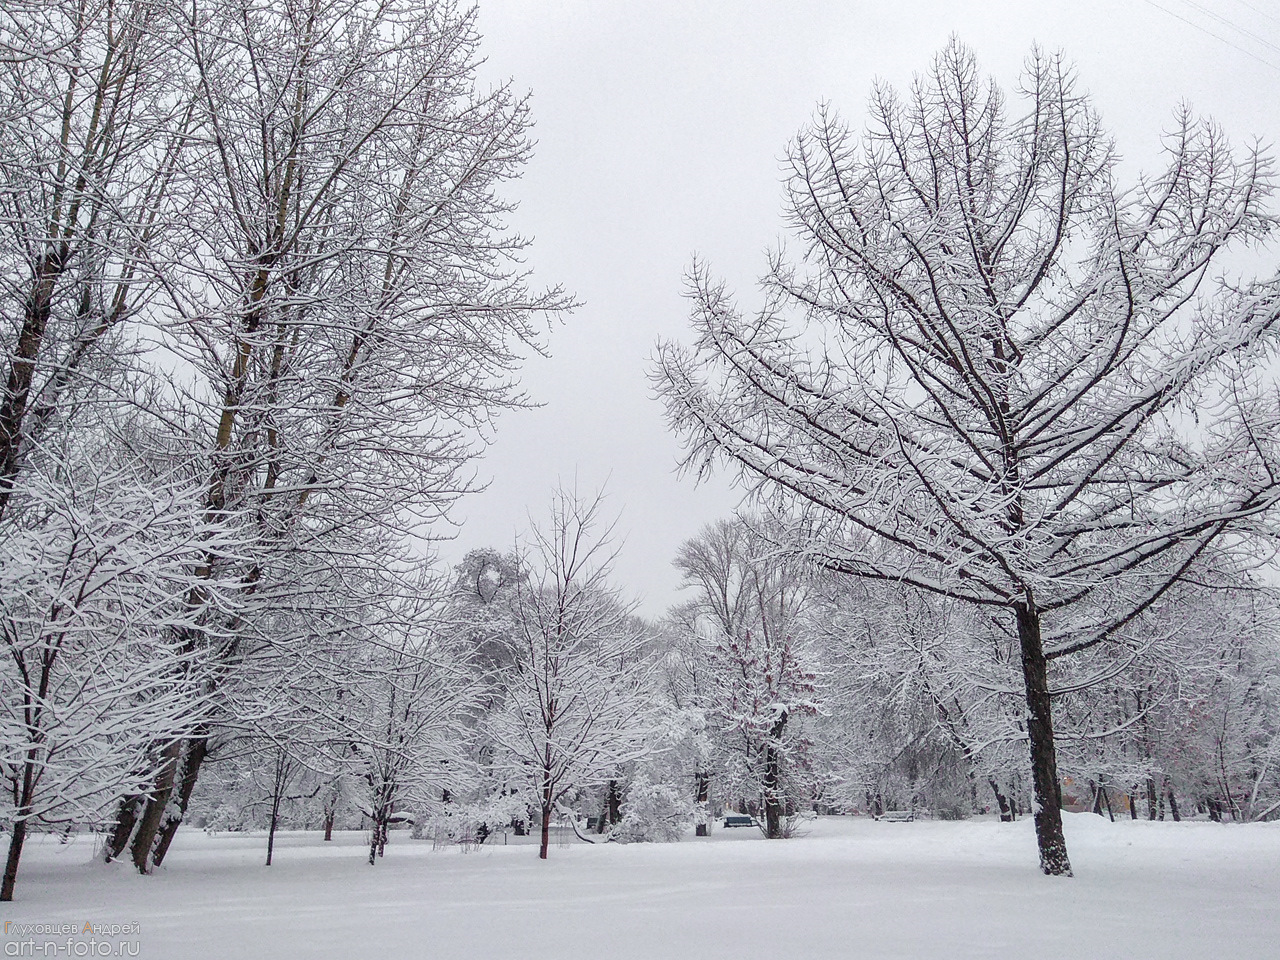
x=847, y=888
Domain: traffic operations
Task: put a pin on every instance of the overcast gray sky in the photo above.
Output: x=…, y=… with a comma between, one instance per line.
x=660, y=126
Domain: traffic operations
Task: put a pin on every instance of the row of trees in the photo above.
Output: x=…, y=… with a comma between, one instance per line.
x=776, y=688
x=1013, y=454
x=259, y=308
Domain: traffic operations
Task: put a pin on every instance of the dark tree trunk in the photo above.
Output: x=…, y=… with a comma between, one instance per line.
x=271, y=831
x=328, y=824
x=375, y=837
x=1133, y=806
x=613, y=804
x=193, y=759
x=1006, y=809
x=548, y=802
x=36, y=311
x=277, y=793
x=1151, y=798
x=148, y=829
x=701, y=793
x=773, y=811
x=122, y=830
x=1101, y=801
x=546, y=832
x=1173, y=806
x=1044, y=760
x=16, y=840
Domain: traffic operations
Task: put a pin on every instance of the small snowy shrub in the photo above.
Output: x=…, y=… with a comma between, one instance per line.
x=654, y=813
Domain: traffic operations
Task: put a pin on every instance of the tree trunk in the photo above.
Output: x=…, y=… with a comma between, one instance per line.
x=122, y=831
x=373, y=839
x=328, y=824
x=277, y=792
x=1006, y=810
x=1133, y=806
x=1044, y=760
x=1173, y=807
x=16, y=840
x=701, y=794
x=613, y=804
x=1101, y=801
x=773, y=780
x=36, y=311
x=271, y=831
x=546, y=832
x=195, y=751
x=1151, y=798
x=144, y=837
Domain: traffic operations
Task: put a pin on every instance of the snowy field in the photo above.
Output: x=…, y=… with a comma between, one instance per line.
x=848, y=888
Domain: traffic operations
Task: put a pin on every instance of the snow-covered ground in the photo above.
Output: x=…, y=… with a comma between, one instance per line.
x=849, y=888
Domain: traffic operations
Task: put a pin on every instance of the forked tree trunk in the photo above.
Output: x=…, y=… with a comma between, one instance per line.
x=194, y=753
x=1044, y=760
x=163, y=809
x=144, y=837
x=1102, y=800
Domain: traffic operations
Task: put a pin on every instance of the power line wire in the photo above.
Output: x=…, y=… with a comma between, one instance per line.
x=1231, y=25
x=1218, y=37
x=1262, y=13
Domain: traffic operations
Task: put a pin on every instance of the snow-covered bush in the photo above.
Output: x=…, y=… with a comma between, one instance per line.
x=654, y=813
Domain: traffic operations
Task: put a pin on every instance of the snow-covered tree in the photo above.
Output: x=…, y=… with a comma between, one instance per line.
x=759, y=677
x=103, y=654
x=93, y=117
x=576, y=707
x=343, y=292
x=991, y=373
